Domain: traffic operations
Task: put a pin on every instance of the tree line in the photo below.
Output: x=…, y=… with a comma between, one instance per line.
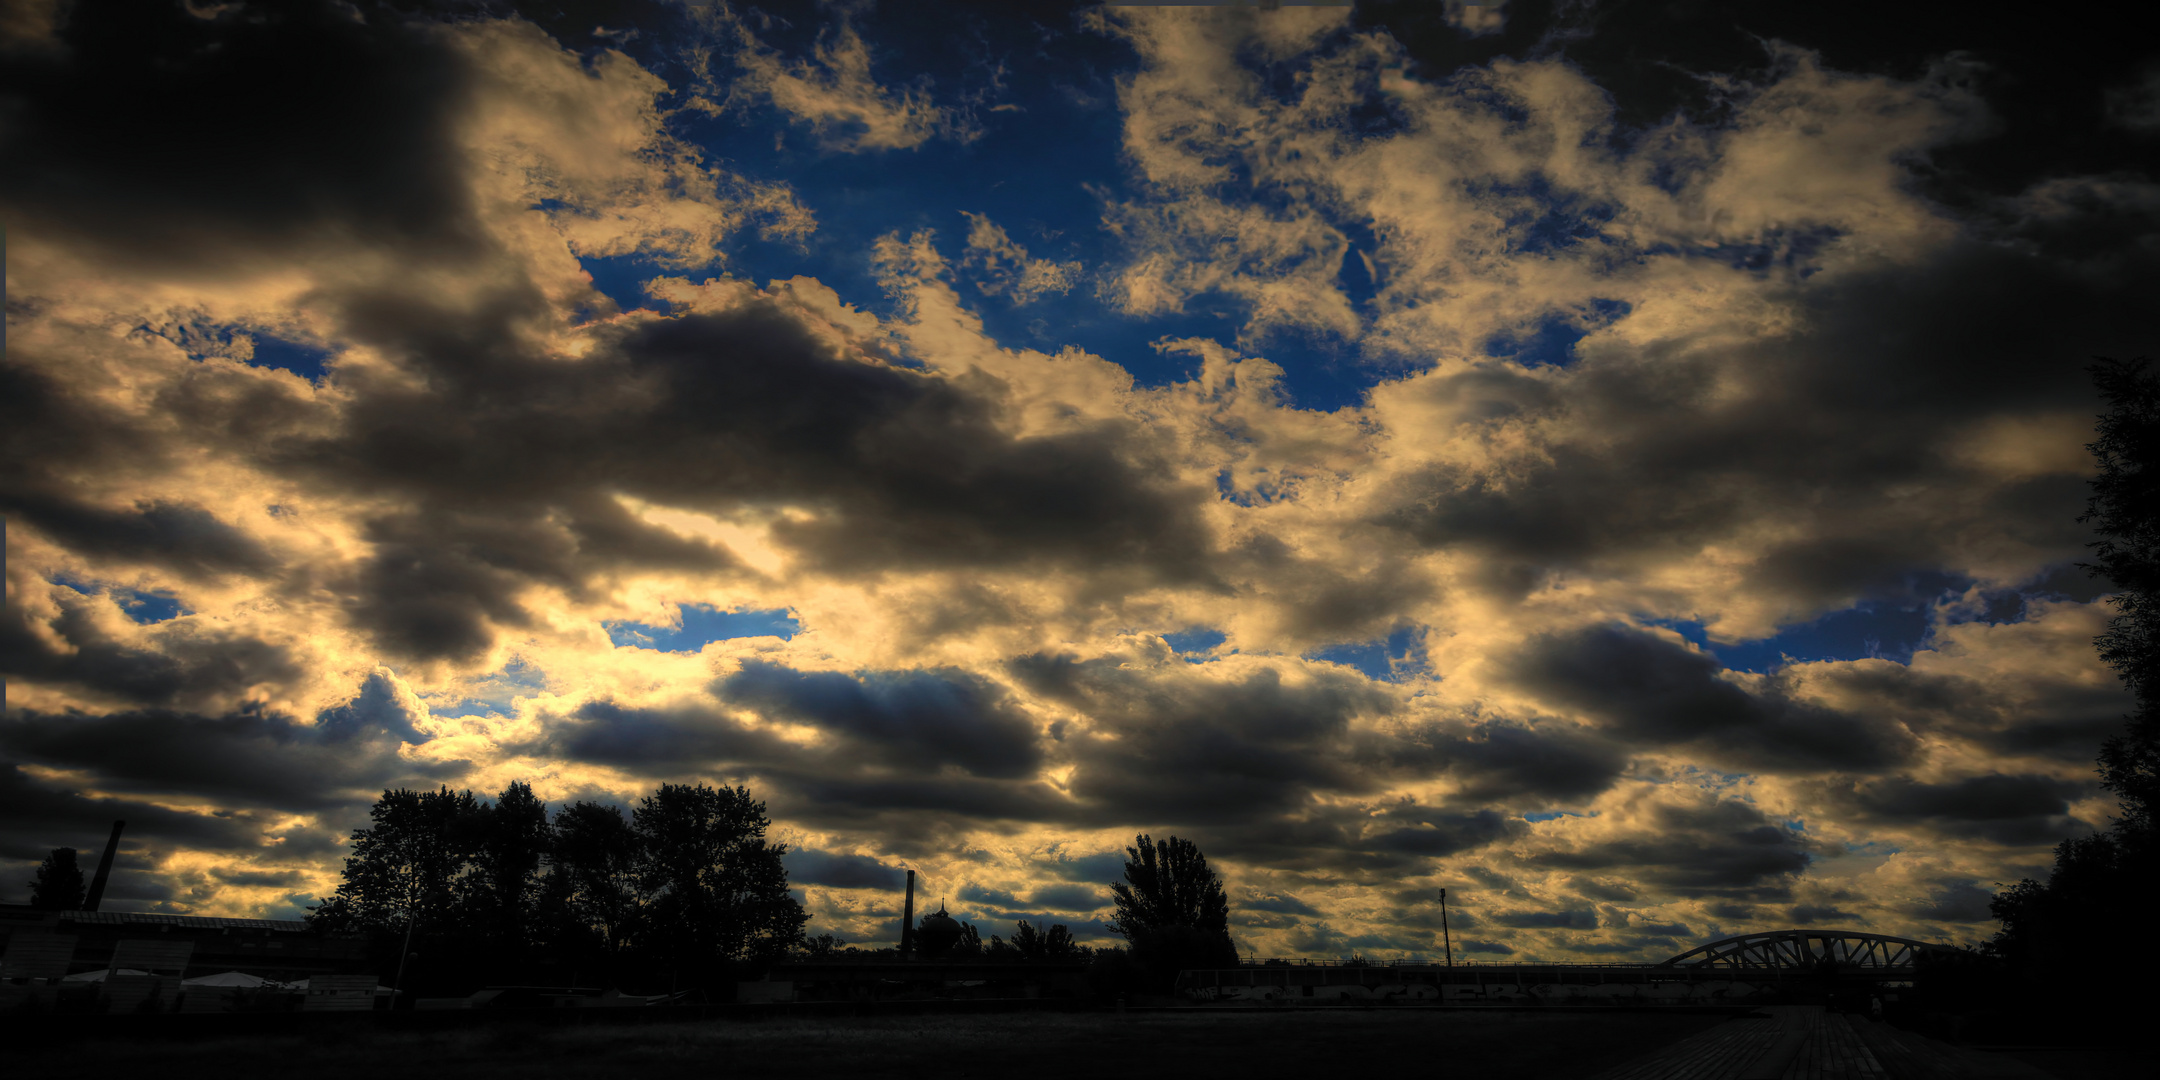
x=682, y=891
x=2085, y=927
x=683, y=887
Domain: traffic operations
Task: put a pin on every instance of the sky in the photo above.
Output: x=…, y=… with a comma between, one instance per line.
x=1616, y=462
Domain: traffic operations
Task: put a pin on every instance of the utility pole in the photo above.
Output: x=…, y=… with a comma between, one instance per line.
x=907, y=921
x=412, y=915
x=1445, y=942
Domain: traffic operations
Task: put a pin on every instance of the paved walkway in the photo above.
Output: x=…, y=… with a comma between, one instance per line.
x=1803, y=1042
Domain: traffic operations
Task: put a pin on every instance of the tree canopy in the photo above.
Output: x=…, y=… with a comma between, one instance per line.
x=58, y=885
x=1172, y=909
x=711, y=884
x=2102, y=882
x=2125, y=513
x=683, y=886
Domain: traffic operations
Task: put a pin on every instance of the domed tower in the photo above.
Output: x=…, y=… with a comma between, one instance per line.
x=938, y=932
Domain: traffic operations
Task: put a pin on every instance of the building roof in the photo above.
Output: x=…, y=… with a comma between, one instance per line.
x=151, y=918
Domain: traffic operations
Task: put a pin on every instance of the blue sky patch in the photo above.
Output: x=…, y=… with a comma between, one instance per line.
x=1551, y=343
x=143, y=607
x=149, y=607
x=306, y=361
x=495, y=694
x=1378, y=658
x=622, y=278
x=1199, y=639
x=702, y=624
x=84, y=587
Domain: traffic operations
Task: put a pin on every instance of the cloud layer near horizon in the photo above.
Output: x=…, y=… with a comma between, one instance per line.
x=1039, y=606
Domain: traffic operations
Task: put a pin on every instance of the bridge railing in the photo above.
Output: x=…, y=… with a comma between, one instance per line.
x=1438, y=962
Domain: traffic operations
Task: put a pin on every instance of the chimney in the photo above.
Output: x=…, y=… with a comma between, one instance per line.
x=104, y=868
x=907, y=921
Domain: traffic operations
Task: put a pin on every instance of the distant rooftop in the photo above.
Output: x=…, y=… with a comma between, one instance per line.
x=17, y=912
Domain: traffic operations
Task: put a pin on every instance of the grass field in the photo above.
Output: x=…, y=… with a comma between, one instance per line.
x=1037, y=1046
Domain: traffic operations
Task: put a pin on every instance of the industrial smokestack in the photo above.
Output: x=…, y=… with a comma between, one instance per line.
x=104, y=869
x=907, y=921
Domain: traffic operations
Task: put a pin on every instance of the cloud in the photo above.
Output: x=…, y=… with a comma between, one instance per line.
x=1007, y=270
x=923, y=719
x=1732, y=368
x=1653, y=690
x=1286, y=905
x=840, y=870
x=1703, y=847
x=833, y=90
x=248, y=758
x=1548, y=920
x=1477, y=19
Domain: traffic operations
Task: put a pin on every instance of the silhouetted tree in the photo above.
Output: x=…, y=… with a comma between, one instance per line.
x=1055, y=943
x=713, y=889
x=592, y=879
x=502, y=894
x=58, y=885
x=2102, y=884
x=1172, y=909
x=2125, y=512
x=491, y=890
x=411, y=865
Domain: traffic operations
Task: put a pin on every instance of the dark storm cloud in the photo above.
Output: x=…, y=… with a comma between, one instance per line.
x=1955, y=901
x=1580, y=919
x=703, y=412
x=1496, y=948
x=187, y=539
x=1240, y=763
x=1726, y=848
x=909, y=811
x=2010, y=810
x=1685, y=450
x=806, y=866
x=1107, y=866
x=1670, y=930
x=52, y=435
x=1594, y=889
x=1502, y=762
x=1817, y=914
x=653, y=740
x=2059, y=716
x=38, y=815
x=1649, y=690
x=1438, y=832
x=1284, y=904
x=177, y=663
x=354, y=138
x=1184, y=747
x=923, y=719
x=251, y=757
x=1070, y=897
x=499, y=469
x=849, y=782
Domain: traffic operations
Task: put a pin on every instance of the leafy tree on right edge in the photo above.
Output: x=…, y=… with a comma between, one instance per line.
x=2085, y=930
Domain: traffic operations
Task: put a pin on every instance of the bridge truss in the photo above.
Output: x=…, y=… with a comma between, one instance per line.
x=1807, y=950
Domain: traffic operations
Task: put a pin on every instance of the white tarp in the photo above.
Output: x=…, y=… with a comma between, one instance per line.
x=301, y=986
x=239, y=979
x=99, y=975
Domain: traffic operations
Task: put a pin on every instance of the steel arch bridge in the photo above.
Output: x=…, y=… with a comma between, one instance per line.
x=1807, y=950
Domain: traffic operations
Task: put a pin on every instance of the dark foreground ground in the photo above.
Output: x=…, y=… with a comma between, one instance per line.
x=1028, y=1046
